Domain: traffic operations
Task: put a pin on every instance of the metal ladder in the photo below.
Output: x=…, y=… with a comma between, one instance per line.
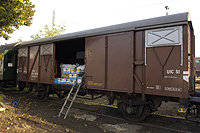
x=69, y=100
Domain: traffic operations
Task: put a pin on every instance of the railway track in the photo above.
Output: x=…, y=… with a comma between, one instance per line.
x=115, y=114
x=106, y=114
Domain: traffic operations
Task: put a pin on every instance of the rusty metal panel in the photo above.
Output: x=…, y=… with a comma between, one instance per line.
x=46, y=64
x=164, y=80
x=22, y=69
x=22, y=64
x=164, y=62
x=46, y=49
x=191, y=59
x=33, y=64
x=46, y=69
x=23, y=52
x=120, y=62
x=95, y=62
x=164, y=36
x=138, y=57
x=109, y=62
x=185, y=62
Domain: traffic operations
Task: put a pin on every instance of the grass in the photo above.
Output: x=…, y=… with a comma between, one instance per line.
x=2, y=99
x=100, y=101
x=15, y=120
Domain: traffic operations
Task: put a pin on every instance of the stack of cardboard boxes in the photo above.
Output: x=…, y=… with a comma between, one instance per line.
x=70, y=75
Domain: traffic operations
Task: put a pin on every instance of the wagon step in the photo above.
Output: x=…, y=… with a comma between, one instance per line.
x=70, y=101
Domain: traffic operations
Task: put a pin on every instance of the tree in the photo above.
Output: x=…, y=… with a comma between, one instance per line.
x=14, y=13
x=20, y=39
x=46, y=32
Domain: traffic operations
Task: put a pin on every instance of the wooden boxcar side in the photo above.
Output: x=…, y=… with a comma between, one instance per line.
x=150, y=61
x=123, y=58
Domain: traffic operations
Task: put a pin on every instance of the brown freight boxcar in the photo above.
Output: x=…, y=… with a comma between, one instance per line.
x=139, y=63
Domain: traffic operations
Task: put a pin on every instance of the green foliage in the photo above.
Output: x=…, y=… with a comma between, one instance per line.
x=46, y=32
x=20, y=39
x=3, y=98
x=14, y=13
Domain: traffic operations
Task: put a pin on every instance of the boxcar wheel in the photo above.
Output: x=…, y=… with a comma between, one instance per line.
x=133, y=113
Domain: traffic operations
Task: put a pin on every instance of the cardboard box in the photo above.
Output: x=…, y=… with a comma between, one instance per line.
x=66, y=76
x=78, y=71
x=64, y=68
x=71, y=81
x=62, y=80
x=59, y=80
x=67, y=70
x=72, y=71
x=65, y=81
x=73, y=76
x=55, y=80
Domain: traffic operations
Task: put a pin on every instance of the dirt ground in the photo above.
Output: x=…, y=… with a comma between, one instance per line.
x=35, y=115
x=18, y=119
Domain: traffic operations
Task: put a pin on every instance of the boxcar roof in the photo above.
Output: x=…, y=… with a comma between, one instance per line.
x=135, y=25
x=7, y=47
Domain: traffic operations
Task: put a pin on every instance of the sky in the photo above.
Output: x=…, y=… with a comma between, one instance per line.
x=81, y=15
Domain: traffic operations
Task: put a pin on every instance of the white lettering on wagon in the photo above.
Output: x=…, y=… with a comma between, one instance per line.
x=178, y=71
x=173, y=89
x=170, y=77
x=158, y=87
x=150, y=87
x=172, y=71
